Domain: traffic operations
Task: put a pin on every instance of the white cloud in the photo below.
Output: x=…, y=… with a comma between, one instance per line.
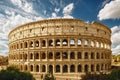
x=115, y=39
x=24, y=5
x=68, y=10
x=12, y=18
x=110, y=11
x=57, y=10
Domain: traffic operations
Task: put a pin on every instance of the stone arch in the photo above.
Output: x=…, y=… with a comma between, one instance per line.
x=86, y=55
x=72, y=55
x=72, y=68
x=37, y=55
x=31, y=44
x=79, y=68
x=97, y=67
x=43, y=55
x=79, y=55
x=51, y=68
x=64, y=55
x=31, y=67
x=79, y=42
x=25, y=44
x=92, y=55
x=37, y=68
x=43, y=43
x=57, y=68
x=65, y=68
x=92, y=68
x=86, y=67
x=92, y=43
x=65, y=42
x=72, y=42
x=36, y=43
x=97, y=55
x=31, y=55
x=43, y=68
x=21, y=45
x=50, y=42
x=57, y=55
x=26, y=68
x=50, y=55
x=57, y=42
x=85, y=42
x=97, y=44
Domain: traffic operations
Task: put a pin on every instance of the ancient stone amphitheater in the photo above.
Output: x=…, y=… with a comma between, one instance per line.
x=67, y=47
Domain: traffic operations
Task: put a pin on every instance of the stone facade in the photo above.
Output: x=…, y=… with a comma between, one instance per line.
x=66, y=47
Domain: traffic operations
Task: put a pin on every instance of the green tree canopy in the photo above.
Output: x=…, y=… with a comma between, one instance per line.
x=13, y=73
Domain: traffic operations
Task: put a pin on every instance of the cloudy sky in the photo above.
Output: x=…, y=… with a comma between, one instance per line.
x=16, y=12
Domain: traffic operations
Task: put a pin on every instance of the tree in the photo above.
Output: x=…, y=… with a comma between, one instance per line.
x=13, y=73
x=49, y=76
x=115, y=75
x=89, y=76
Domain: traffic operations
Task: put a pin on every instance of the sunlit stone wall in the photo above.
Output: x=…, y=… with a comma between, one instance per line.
x=66, y=47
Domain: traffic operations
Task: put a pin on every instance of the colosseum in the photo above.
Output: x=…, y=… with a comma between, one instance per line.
x=67, y=47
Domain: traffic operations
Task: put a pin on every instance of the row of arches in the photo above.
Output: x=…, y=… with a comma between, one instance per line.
x=66, y=68
x=60, y=42
x=61, y=55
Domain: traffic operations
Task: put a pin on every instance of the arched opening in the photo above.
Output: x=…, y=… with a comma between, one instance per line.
x=57, y=68
x=101, y=55
x=86, y=55
x=31, y=68
x=92, y=67
x=25, y=45
x=31, y=55
x=92, y=55
x=21, y=45
x=72, y=68
x=21, y=68
x=65, y=68
x=43, y=55
x=64, y=55
x=101, y=45
x=37, y=55
x=65, y=42
x=79, y=42
x=43, y=43
x=57, y=56
x=86, y=68
x=57, y=42
x=92, y=44
x=25, y=56
x=102, y=66
x=97, y=56
x=37, y=68
x=97, y=44
x=72, y=55
x=72, y=42
x=97, y=67
x=26, y=68
x=31, y=44
x=20, y=56
x=50, y=42
x=51, y=68
x=85, y=43
x=79, y=55
x=37, y=43
x=50, y=56
x=43, y=68
x=79, y=68
x=17, y=46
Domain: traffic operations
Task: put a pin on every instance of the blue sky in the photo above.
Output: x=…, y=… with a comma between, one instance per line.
x=16, y=12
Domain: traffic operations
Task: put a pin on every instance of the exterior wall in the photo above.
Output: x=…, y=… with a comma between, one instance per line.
x=67, y=47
